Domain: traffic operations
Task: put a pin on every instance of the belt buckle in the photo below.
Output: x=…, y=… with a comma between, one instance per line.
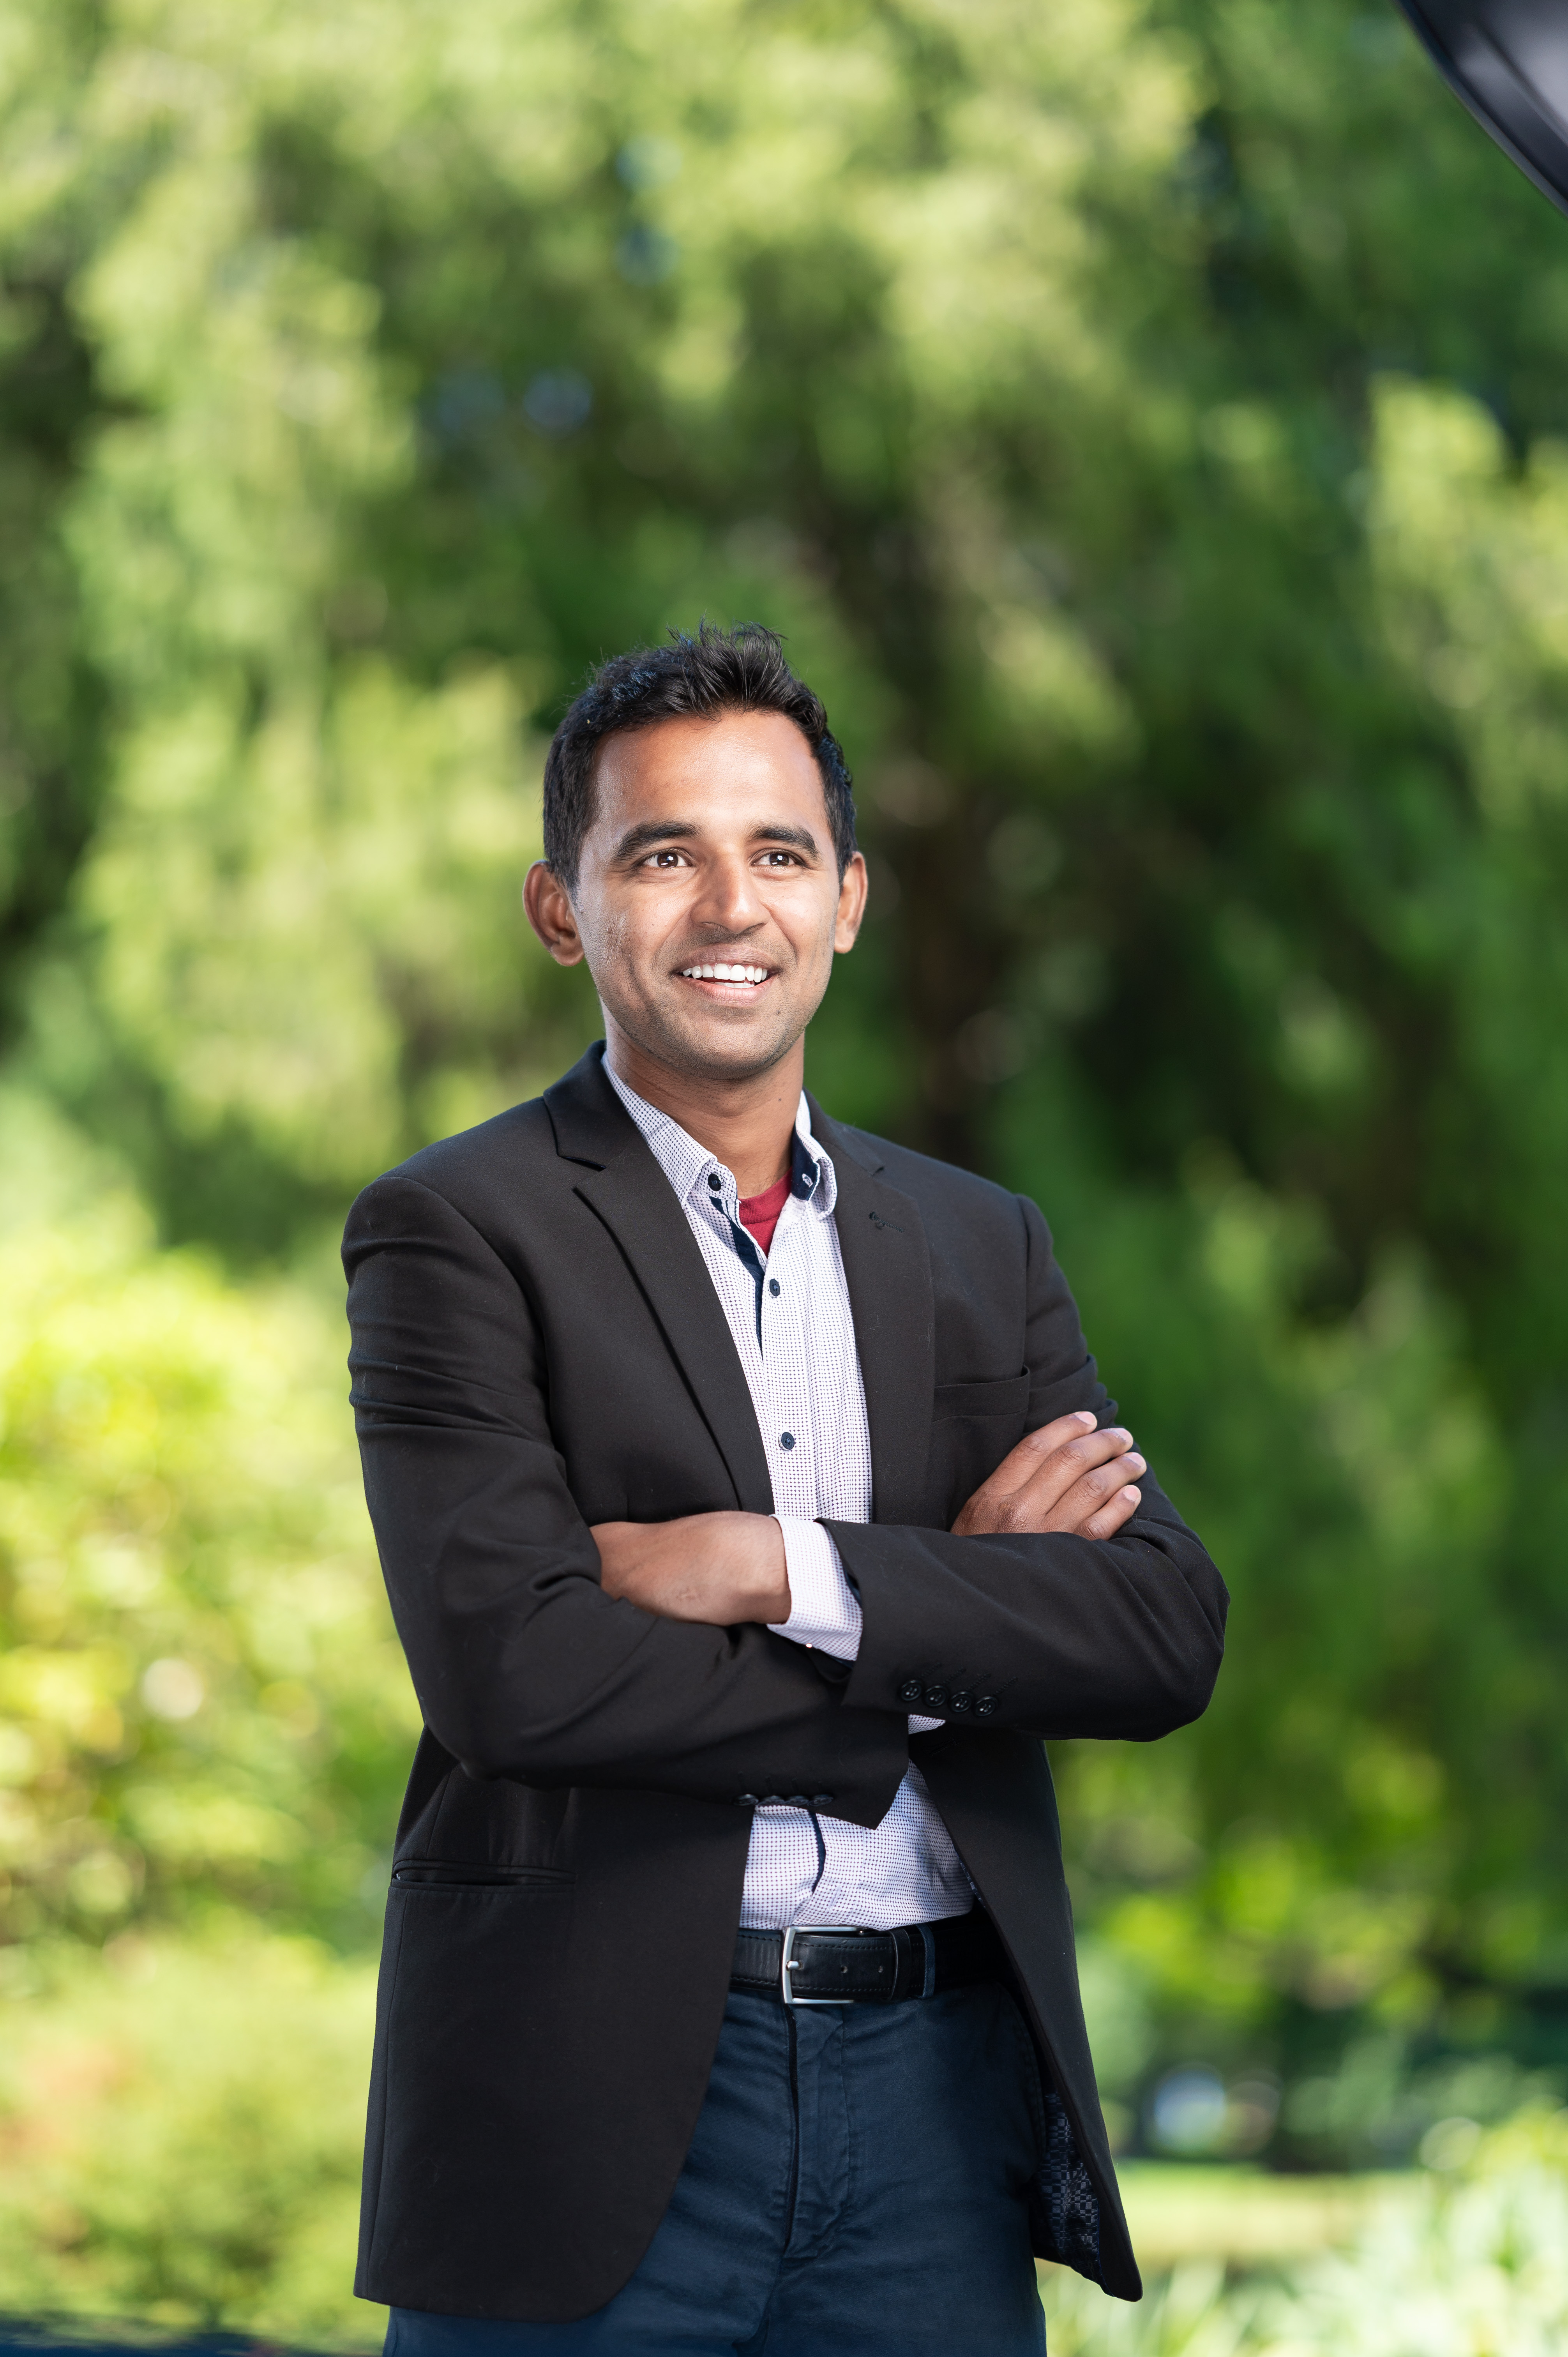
x=787, y=1963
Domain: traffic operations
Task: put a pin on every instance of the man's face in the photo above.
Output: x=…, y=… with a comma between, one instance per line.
x=708, y=903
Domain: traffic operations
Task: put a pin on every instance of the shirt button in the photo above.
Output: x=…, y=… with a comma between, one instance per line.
x=773, y=1286
x=786, y=1440
x=716, y=1182
x=911, y=1691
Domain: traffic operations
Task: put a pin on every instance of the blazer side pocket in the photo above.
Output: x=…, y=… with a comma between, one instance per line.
x=462, y=1873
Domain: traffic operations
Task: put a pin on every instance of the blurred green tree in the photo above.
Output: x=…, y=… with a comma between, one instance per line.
x=1145, y=422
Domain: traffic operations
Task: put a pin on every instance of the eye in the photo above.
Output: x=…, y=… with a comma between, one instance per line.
x=664, y=859
x=780, y=859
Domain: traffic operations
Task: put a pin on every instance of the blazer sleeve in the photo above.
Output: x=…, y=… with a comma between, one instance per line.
x=1053, y=1634
x=524, y=1666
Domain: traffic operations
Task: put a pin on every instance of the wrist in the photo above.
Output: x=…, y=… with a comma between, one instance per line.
x=768, y=1572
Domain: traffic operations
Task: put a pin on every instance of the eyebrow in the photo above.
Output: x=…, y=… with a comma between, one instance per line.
x=650, y=831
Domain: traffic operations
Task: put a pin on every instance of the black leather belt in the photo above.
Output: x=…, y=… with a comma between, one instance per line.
x=839, y=1964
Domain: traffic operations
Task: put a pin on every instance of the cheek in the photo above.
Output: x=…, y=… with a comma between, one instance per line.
x=808, y=928
x=615, y=940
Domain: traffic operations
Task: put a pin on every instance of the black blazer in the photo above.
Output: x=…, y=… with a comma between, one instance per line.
x=537, y=1346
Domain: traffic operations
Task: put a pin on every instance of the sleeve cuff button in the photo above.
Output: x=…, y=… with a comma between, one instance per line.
x=911, y=1691
x=984, y=1706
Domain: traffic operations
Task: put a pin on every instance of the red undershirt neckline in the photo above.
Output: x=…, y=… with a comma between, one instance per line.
x=759, y=1215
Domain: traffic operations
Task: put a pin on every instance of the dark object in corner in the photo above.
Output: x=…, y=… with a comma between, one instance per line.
x=1508, y=59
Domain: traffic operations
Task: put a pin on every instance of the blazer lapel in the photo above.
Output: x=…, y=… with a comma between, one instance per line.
x=888, y=1270
x=623, y=1186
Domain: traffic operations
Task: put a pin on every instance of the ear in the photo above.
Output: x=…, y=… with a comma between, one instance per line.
x=551, y=915
x=852, y=904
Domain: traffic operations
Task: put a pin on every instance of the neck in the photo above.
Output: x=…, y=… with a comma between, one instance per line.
x=747, y=1123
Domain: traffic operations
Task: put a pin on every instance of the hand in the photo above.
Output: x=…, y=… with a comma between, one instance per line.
x=1065, y=1477
x=719, y=1568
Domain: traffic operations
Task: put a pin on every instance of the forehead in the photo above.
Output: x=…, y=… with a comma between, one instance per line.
x=737, y=769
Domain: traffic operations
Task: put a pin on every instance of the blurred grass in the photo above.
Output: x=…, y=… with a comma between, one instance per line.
x=1247, y=2217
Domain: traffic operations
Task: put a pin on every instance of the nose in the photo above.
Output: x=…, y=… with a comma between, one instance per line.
x=727, y=905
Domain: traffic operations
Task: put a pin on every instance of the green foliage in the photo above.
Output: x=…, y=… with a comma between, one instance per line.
x=179, y=2139
x=1473, y=2266
x=201, y=1700
x=1147, y=421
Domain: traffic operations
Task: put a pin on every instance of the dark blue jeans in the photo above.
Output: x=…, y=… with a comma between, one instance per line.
x=857, y=2184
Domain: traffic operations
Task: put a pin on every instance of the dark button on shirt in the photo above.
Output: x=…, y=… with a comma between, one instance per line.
x=786, y=1440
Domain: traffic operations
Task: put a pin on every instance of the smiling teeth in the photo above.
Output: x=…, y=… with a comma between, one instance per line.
x=725, y=973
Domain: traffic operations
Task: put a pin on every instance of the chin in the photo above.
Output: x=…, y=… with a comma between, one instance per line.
x=727, y=1051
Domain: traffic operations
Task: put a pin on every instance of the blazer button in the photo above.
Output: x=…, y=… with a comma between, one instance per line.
x=936, y=1697
x=773, y=1800
x=746, y=1800
x=799, y=1800
x=961, y=1700
x=984, y=1706
x=911, y=1691
x=820, y=1799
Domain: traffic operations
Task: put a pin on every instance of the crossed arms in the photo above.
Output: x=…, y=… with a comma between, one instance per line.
x=725, y=1568
x=622, y=1656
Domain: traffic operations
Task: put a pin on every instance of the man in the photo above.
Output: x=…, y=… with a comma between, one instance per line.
x=750, y=1509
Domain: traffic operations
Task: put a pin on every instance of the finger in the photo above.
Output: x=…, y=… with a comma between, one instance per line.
x=1025, y=1460
x=1025, y=1455
x=1095, y=1493
x=1024, y=1496
x=1050, y=1483
x=1114, y=1513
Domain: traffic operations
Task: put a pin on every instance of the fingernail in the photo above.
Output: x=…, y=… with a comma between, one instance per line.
x=1119, y=1432
x=1134, y=1463
x=1135, y=1495
x=1082, y=1415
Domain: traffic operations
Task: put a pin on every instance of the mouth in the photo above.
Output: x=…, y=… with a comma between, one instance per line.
x=732, y=981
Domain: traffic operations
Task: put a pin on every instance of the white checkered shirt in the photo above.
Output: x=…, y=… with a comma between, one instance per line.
x=794, y=1331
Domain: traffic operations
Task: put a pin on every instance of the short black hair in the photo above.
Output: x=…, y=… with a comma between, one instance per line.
x=738, y=670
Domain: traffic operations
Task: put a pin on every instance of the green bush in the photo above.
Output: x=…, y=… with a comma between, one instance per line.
x=1468, y=2263
x=202, y=1703
x=180, y=2132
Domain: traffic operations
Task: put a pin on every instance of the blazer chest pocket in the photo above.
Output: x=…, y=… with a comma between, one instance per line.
x=1005, y=1395
x=973, y=1426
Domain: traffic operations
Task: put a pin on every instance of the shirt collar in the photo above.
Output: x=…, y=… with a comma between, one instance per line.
x=689, y=1165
